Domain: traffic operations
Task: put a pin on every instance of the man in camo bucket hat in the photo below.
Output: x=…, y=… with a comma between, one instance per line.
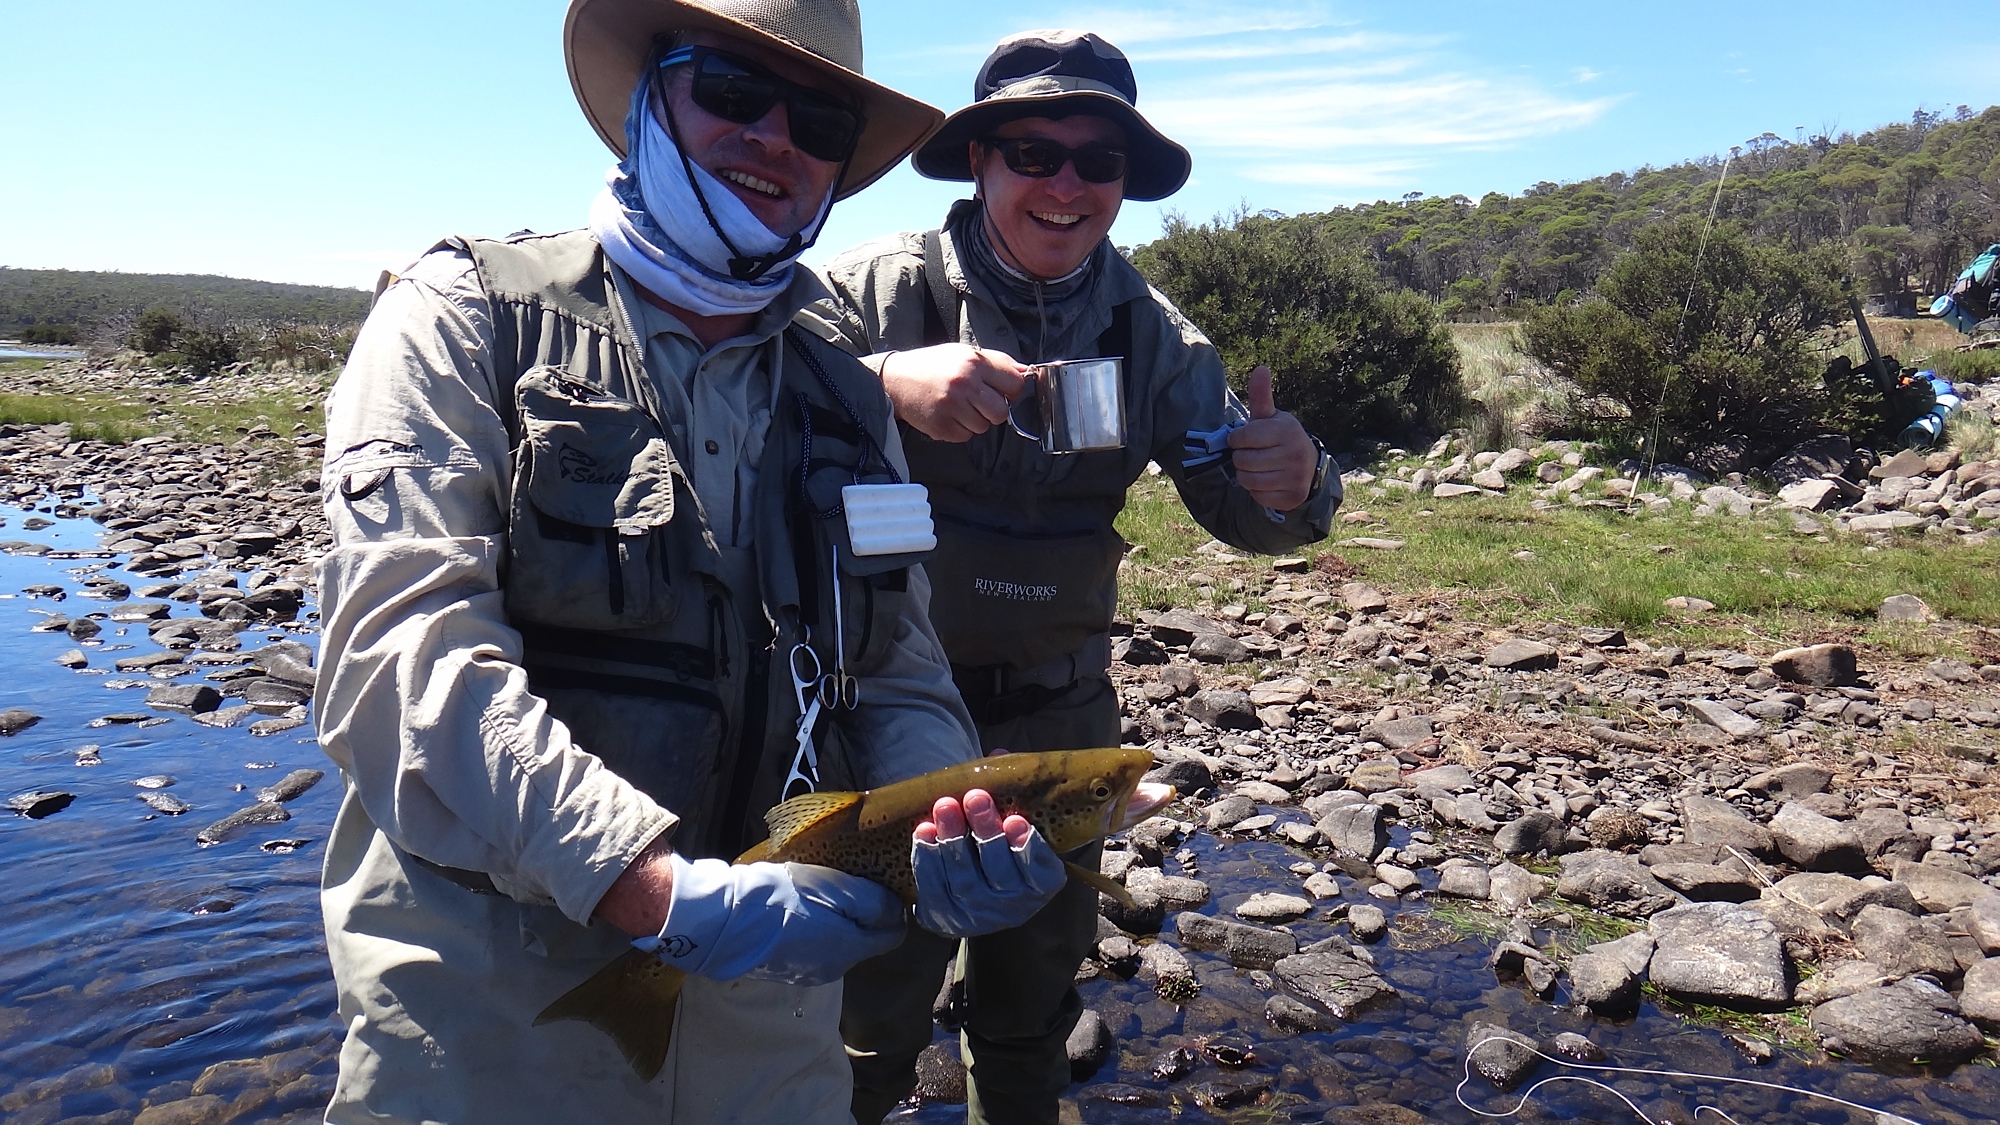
x=1025, y=578
x=584, y=491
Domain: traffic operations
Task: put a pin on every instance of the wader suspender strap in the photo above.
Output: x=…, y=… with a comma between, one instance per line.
x=941, y=312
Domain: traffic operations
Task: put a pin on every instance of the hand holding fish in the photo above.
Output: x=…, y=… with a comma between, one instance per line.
x=977, y=874
x=795, y=923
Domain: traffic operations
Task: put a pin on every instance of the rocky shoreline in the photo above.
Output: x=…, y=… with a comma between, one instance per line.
x=1802, y=831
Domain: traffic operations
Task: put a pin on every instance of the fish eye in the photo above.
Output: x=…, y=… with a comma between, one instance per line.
x=1100, y=789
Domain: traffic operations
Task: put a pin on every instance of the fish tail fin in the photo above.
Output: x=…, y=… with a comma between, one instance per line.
x=1102, y=882
x=634, y=1000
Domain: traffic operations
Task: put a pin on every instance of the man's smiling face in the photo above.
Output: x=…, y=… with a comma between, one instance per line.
x=1047, y=227
x=782, y=186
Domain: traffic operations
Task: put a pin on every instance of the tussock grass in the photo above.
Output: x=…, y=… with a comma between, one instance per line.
x=1508, y=393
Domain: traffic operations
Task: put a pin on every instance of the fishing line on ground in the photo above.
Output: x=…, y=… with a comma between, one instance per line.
x=1694, y=281
x=1882, y=1116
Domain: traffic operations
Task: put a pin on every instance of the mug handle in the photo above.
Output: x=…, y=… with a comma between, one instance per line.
x=1027, y=395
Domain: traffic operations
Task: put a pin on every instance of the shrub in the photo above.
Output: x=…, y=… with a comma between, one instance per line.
x=1742, y=366
x=203, y=351
x=155, y=331
x=1353, y=360
x=61, y=334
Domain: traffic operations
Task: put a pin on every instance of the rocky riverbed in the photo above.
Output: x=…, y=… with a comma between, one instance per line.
x=1405, y=835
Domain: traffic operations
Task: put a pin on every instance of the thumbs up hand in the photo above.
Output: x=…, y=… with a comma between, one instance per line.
x=1274, y=457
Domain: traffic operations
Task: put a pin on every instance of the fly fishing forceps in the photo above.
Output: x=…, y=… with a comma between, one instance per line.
x=808, y=686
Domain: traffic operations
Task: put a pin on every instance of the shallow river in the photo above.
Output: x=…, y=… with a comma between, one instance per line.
x=132, y=961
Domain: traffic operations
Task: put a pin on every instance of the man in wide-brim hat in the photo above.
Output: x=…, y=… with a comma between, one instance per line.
x=1024, y=581
x=593, y=606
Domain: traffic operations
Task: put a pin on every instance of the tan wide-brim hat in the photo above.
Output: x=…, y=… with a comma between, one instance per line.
x=1055, y=74
x=606, y=42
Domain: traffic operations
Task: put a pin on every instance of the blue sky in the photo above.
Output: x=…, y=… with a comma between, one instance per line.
x=322, y=142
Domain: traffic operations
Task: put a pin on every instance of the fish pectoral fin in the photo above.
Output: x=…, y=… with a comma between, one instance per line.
x=803, y=812
x=1102, y=882
x=635, y=1000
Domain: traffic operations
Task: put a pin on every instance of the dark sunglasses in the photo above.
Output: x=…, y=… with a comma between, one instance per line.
x=1038, y=159
x=738, y=90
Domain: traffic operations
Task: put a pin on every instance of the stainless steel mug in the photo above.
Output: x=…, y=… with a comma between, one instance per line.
x=1081, y=403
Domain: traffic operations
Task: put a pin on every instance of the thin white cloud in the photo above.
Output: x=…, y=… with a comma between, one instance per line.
x=1585, y=74
x=1338, y=176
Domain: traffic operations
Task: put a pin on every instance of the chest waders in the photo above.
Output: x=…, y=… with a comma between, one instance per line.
x=1023, y=612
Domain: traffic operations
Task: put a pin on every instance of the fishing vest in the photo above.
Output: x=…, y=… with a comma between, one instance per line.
x=666, y=654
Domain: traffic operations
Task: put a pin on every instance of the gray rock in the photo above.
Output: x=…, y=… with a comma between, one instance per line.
x=14, y=720
x=1376, y=777
x=1168, y=971
x=165, y=803
x=1521, y=655
x=1175, y=892
x=1719, y=951
x=1603, y=983
x=1462, y=878
x=1533, y=832
x=1359, y=597
x=1634, y=950
x=1905, y=607
x=1178, y=626
x=186, y=699
x=1815, y=842
x=1398, y=734
x=1827, y=665
x=1138, y=651
x=1356, y=829
x=1903, y=944
x=1710, y=821
x=1729, y=722
x=1089, y=1044
x=1368, y=922
x=1800, y=779
x=1270, y=906
x=1904, y=1022
x=1980, y=1000
x=73, y=659
x=263, y=812
x=1333, y=979
x=1844, y=978
x=1502, y=1057
x=1218, y=648
x=1227, y=710
x=1186, y=774
x=1440, y=781
x=1229, y=812
x=1287, y=1014
x=1254, y=947
x=1263, y=792
x=290, y=786
x=1708, y=882
x=1984, y=924
x=1615, y=884
x=1512, y=887
x=1886, y=837
x=1400, y=879
x=1939, y=890
x=40, y=803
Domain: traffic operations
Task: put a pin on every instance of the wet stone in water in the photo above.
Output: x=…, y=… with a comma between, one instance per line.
x=291, y=785
x=14, y=720
x=283, y=847
x=40, y=803
x=264, y=812
x=156, y=781
x=165, y=803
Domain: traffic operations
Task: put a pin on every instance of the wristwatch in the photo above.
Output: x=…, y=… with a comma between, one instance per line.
x=1319, y=467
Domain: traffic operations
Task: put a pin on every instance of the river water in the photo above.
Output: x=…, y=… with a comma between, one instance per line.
x=137, y=968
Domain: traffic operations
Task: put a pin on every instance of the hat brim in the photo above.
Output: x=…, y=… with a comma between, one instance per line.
x=1156, y=166
x=606, y=42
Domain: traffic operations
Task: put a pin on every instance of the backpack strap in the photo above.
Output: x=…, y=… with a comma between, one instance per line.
x=1117, y=339
x=941, y=312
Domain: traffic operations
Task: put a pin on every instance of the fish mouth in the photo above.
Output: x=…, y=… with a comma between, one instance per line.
x=1147, y=798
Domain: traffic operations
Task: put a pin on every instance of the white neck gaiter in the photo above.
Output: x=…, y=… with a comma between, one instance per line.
x=650, y=221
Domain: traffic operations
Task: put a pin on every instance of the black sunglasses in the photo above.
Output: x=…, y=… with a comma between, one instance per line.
x=738, y=90
x=1039, y=159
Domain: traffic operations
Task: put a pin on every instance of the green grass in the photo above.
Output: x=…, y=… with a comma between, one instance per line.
x=1507, y=392
x=1599, y=566
x=91, y=417
x=1787, y=1028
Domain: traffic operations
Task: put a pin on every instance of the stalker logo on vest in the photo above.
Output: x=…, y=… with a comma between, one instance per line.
x=1014, y=591
x=574, y=464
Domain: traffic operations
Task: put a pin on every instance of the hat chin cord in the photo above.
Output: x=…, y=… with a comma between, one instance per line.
x=745, y=267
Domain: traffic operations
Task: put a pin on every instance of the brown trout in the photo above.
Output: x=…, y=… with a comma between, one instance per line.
x=1073, y=797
